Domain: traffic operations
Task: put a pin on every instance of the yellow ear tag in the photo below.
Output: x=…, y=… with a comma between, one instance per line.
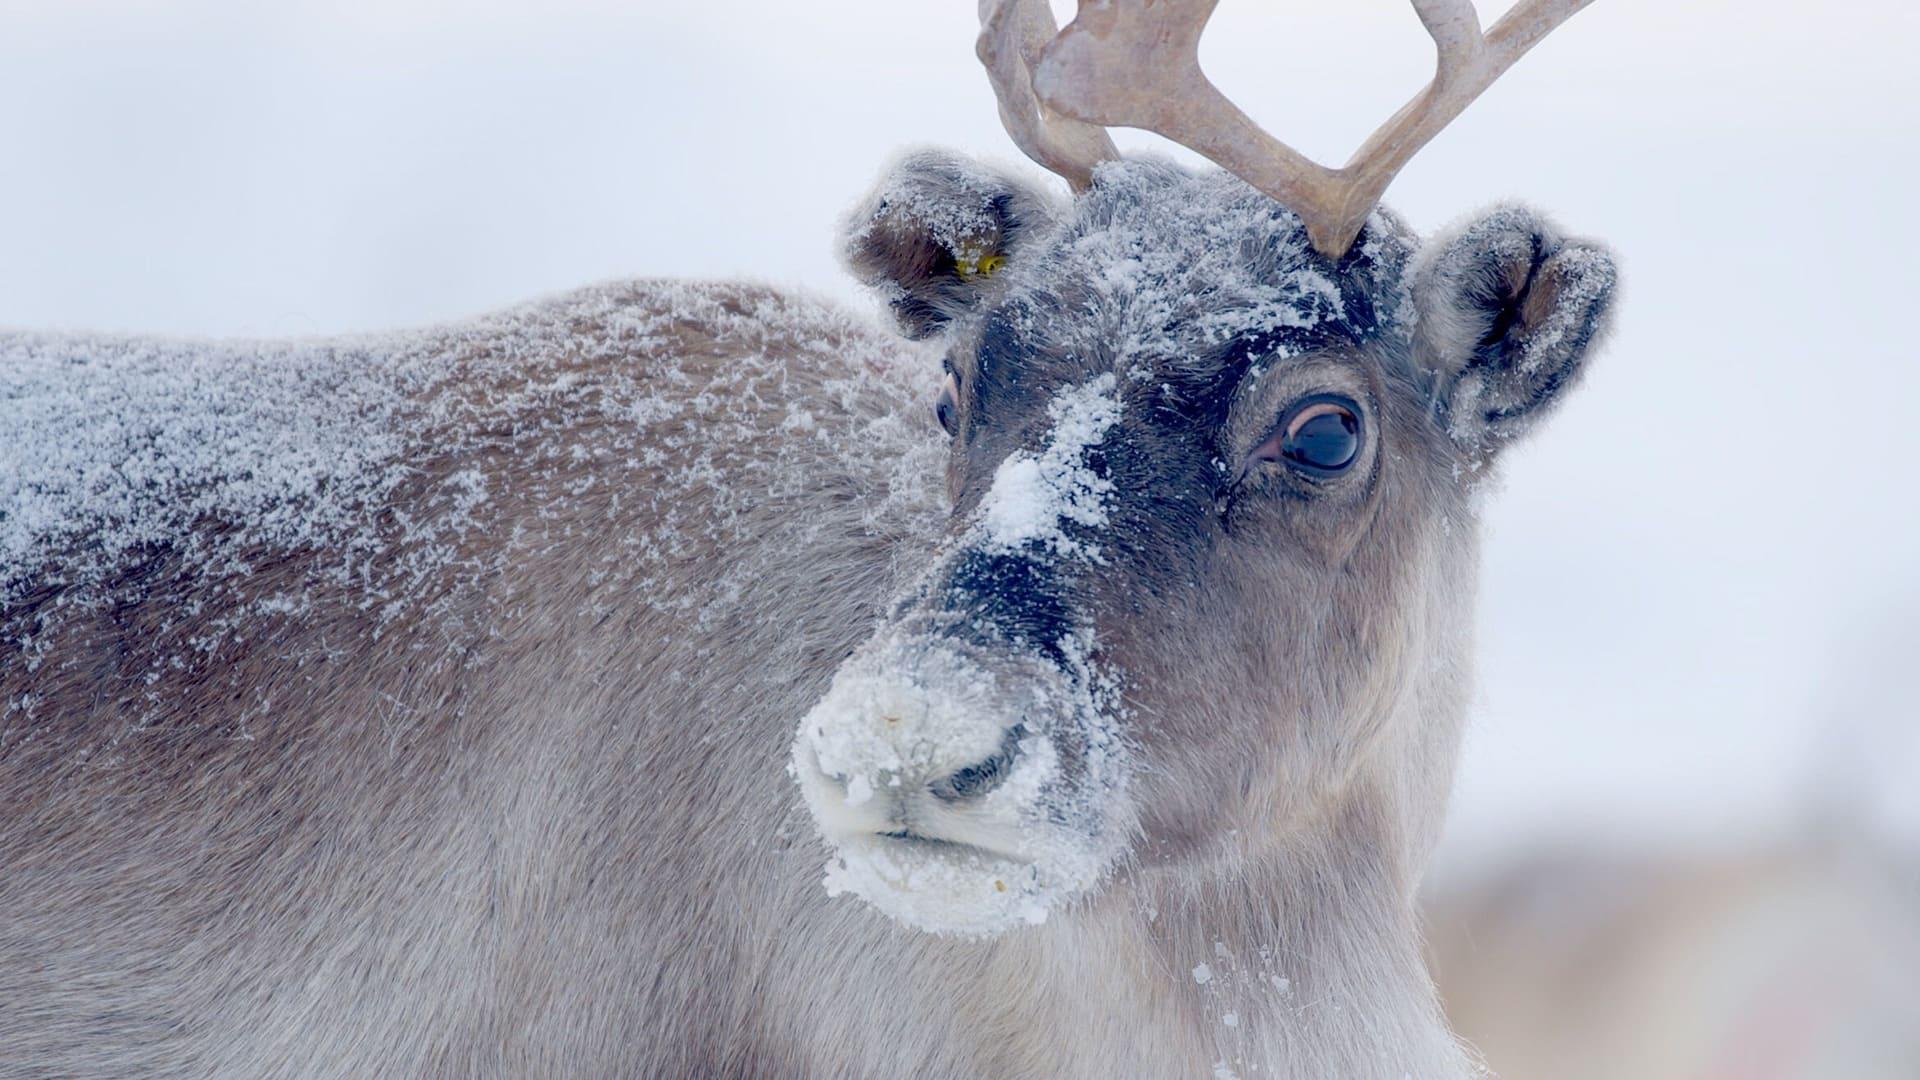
x=971, y=264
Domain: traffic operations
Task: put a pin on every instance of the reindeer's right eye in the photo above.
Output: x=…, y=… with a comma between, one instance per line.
x=946, y=407
x=1319, y=436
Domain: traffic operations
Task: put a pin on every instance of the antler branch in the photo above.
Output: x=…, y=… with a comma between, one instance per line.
x=1135, y=63
x=1468, y=63
x=1012, y=33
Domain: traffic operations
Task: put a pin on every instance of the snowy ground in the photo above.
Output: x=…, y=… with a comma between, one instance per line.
x=1702, y=599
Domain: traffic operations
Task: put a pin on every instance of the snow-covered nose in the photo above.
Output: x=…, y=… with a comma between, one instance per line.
x=919, y=716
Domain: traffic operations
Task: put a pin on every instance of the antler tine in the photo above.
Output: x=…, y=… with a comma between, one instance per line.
x=1012, y=33
x=1468, y=63
x=1135, y=63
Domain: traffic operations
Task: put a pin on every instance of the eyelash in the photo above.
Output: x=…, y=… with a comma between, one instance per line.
x=946, y=405
x=1305, y=444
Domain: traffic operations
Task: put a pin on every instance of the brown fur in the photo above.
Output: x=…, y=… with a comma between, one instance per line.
x=504, y=793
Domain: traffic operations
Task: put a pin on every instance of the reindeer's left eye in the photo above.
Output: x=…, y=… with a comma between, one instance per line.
x=946, y=407
x=1319, y=436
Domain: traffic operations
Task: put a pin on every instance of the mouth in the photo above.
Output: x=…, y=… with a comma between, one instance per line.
x=943, y=886
x=953, y=849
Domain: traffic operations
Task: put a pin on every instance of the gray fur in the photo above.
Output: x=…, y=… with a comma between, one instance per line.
x=1509, y=311
x=496, y=787
x=935, y=214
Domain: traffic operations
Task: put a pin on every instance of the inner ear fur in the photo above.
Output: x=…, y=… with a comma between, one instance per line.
x=935, y=234
x=1509, y=311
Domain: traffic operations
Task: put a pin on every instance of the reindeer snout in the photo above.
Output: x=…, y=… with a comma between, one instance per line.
x=918, y=729
x=952, y=778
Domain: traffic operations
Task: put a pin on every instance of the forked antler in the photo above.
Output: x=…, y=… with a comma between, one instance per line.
x=1012, y=33
x=1135, y=63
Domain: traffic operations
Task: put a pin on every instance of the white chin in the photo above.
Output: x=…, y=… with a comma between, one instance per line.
x=946, y=888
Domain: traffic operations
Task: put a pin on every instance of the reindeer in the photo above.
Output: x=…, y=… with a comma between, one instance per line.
x=487, y=700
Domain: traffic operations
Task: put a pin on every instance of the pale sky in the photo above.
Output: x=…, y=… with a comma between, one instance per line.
x=1702, y=587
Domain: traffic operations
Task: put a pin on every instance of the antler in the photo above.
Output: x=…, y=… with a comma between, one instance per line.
x=1135, y=63
x=1012, y=33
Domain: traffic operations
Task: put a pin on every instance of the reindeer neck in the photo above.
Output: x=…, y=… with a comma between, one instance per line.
x=1303, y=963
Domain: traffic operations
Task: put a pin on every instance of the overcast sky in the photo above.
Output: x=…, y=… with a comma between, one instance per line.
x=1702, y=580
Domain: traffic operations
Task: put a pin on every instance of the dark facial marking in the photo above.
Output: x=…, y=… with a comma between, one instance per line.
x=1013, y=596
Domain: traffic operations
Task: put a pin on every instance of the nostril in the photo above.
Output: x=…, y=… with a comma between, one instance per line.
x=974, y=780
x=982, y=777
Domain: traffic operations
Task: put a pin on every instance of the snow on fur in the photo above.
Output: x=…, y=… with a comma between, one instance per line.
x=911, y=707
x=1166, y=272
x=224, y=488
x=1035, y=498
x=114, y=446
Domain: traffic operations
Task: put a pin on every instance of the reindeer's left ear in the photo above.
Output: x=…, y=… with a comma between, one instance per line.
x=935, y=235
x=1508, y=312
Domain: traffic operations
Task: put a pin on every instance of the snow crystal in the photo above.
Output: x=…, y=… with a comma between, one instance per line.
x=342, y=487
x=1035, y=498
x=1202, y=974
x=958, y=214
x=1163, y=267
x=128, y=443
x=1587, y=275
x=859, y=790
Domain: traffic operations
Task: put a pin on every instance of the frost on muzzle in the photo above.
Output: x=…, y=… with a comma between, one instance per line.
x=965, y=763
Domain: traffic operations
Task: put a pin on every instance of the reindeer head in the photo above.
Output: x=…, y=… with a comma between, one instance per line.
x=1209, y=570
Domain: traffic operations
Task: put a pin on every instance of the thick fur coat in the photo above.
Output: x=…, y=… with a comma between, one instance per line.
x=422, y=705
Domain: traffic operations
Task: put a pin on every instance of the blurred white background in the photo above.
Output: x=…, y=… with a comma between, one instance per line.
x=1699, y=620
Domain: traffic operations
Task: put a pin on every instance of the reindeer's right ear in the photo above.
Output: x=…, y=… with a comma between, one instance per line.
x=1509, y=310
x=936, y=232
